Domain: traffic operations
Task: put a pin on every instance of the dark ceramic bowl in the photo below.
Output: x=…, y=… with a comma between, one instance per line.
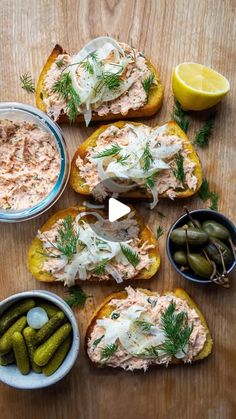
x=201, y=215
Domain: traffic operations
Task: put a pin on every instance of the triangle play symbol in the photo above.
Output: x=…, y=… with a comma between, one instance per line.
x=116, y=209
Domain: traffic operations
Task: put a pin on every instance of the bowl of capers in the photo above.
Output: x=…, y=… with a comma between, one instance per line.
x=201, y=246
x=39, y=339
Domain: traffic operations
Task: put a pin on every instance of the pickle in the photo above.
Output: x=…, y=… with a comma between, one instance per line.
x=49, y=328
x=20, y=352
x=196, y=237
x=7, y=359
x=14, y=312
x=45, y=352
x=29, y=335
x=50, y=309
x=58, y=357
x=6, y=339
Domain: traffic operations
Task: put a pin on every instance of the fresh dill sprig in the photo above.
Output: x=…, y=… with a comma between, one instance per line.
x=206, y=194
x=144, y=325
x=100, y=269
x=67, y=238
x=150, y=181
x=87, y=66
x=110, y=80
x=179, y=171
x=177, y=330
x=27, y=82
x=146, y=158
x=60, y=63
x=64, y=88
x=214, y=201
x=98, y=340
x=77, y=296
x=161, y=214
x=179, y=116
x=112, y=151
x=203, y=135
x=160, y=232
x=130, y=255
x=123, y=159
x=204, y=191
x=108, y=351
x=152, y=351
x=147, y=83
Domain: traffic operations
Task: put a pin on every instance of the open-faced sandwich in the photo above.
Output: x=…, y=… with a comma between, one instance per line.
x=68, y=248
x=150, y=162
x=105, y=80
x=135, y=329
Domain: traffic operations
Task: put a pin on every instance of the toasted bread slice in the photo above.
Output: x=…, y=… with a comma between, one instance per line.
x=36, y=257
x=105, y=310
x=154, y=103
x=79, y=186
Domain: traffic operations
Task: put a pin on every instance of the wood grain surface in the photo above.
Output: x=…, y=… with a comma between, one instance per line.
x=169, y=32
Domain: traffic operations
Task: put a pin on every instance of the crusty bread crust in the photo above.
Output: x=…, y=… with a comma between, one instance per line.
x=104, y=310
x=154, y=103
x=77, y=182
x=36, y=258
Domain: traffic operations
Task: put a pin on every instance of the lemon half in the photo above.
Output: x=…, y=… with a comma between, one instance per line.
x=198, y=87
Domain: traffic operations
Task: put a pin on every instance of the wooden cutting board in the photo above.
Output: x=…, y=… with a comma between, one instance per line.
x=169, y=32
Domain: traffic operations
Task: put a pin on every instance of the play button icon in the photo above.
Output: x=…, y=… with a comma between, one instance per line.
x=117, y=210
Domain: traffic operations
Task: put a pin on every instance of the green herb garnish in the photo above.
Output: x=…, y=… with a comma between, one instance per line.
x=112, y=151
x=87, y=66
x=64, y=88
x=67, y=238
x=176, y=329
x=179, y=171
x=130, y=255
x=144, y=325
x=161, y=215
x=206, y=194
x=203, y=135
x=152, y=302
x=27, y=82
x=123, y=159
x=214, y=201
x=115, y=316
x=77, y=296
x=108, y=351
x=147, y=83
x=204, y=191
x=179, y=116
x=146, y=158
x=152, y=351
x=98, y=340
x=150, y=181
x=100, y=269
x=160, y=232
x=60, y=63
x=109, y=80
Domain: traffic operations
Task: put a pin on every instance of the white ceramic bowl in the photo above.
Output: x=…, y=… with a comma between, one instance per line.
x=10, y=374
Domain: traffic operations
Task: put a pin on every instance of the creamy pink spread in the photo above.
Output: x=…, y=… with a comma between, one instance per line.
x=58, y=265
x=119, y=327
x=134, y=98
x=29, y=164
x=165, y=181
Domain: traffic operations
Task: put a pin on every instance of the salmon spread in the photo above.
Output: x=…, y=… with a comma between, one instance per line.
x=148, y=157
x=106, y=77
x=29, y=164
x=84, y=255
x=139, y=332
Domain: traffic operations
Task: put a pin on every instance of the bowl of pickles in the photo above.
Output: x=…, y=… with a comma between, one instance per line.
x=201, y=246
x=39, y=339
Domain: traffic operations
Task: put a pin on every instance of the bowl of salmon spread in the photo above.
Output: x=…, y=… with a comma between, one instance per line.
x=34, y=162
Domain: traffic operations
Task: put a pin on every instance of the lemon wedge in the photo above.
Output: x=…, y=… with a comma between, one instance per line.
x=198, y=87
